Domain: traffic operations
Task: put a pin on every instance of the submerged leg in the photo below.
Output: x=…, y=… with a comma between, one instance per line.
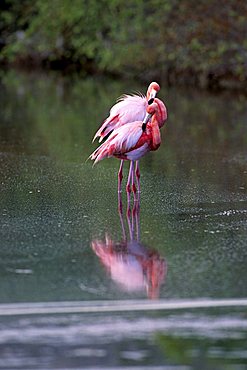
x=129, y=182
x=137, y=219
x=120, y=176
x=133, y=183
x=120, y=203
x=138, y=175
x=120, y=212
x=130, y=224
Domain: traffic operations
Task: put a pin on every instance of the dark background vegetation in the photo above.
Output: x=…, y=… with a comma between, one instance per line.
x=196, y=42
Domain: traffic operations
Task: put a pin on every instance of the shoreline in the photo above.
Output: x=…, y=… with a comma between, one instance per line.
x=209, y=81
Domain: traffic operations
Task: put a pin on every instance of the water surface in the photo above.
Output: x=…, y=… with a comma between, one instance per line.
x=62, y=239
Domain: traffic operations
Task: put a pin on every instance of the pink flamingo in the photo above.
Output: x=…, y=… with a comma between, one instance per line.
x=133, y=140
x=129, y=108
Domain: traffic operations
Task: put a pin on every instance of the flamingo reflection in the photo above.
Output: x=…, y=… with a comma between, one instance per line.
x=133, y=266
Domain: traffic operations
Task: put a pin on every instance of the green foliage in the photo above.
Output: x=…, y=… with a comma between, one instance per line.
x=195, y=40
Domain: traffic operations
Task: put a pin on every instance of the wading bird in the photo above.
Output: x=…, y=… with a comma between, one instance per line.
x=129, y=109
x=133, y=140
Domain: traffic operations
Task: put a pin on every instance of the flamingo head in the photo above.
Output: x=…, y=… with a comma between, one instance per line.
x=152, y=108
x=160, y=113
x=152, y=90
x=157, y=110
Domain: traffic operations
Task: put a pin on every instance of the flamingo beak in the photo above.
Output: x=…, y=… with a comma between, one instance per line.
x=146, y=120
x=152, y=94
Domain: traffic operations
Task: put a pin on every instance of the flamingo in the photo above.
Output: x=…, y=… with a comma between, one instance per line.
x=133, y=140
x=129, y=108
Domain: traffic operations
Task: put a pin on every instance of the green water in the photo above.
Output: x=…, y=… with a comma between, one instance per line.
x=55, y=206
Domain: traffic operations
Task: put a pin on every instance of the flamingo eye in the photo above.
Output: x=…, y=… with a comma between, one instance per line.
x=150, y=101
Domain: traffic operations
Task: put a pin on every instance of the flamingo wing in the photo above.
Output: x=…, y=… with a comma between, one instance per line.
x=121, y=141
x=129, y=108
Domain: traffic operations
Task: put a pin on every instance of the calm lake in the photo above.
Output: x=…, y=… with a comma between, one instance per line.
x=83, y=287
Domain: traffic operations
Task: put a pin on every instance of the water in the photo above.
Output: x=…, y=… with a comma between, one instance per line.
x=77, y=280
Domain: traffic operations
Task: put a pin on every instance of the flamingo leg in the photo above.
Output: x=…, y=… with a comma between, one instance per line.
x=120, y=176
x=138, y=175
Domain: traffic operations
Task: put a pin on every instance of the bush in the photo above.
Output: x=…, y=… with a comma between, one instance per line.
x=199, y=42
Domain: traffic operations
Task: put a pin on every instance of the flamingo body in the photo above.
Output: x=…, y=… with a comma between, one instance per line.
x=130, y=142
